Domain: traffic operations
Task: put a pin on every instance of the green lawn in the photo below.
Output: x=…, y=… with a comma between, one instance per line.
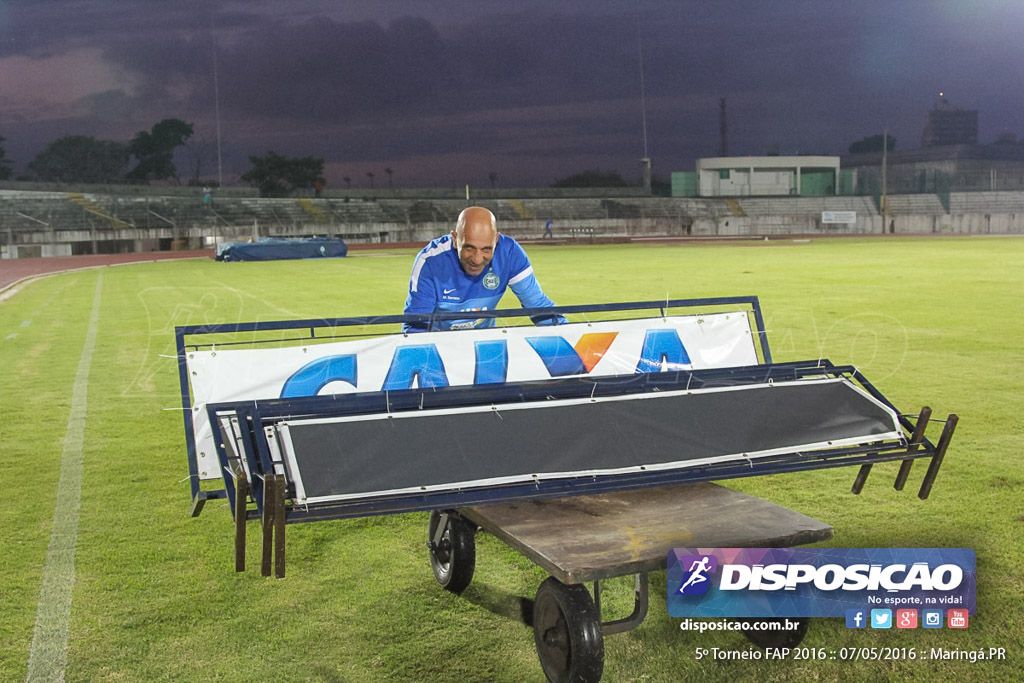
x=929, y=321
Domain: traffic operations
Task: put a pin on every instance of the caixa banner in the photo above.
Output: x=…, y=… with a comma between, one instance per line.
x=440, y=359
x=817, y=582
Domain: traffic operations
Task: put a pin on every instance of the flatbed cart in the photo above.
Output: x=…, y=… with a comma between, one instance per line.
x=591, y=538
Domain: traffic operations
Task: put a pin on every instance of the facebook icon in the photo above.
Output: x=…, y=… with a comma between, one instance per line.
x=856, y=618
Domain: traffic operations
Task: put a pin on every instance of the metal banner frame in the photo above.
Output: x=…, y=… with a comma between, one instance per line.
x=260, y=417
x=198, y=336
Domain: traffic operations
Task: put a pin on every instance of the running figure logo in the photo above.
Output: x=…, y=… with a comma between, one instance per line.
x=696, y=581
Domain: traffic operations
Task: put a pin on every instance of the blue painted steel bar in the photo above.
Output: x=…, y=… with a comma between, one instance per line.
x=222, y=328
x=597, y=386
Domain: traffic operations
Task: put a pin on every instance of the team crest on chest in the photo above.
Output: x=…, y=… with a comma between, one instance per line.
x=491, y=281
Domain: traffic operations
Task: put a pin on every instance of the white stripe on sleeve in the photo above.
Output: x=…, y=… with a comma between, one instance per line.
x=422, y=260
x=521, y=276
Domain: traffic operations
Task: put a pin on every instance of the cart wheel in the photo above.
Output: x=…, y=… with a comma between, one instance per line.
x=453, y=559
x=567, y=631
x=778, y=638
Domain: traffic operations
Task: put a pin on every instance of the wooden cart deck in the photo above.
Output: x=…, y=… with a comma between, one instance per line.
x=591, y=537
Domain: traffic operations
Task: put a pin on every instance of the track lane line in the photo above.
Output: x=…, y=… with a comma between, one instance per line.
x=47, y=659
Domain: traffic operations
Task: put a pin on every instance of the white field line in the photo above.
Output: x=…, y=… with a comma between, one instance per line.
x=48, y=655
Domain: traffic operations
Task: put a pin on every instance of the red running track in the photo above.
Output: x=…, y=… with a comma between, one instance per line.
x=12, y=270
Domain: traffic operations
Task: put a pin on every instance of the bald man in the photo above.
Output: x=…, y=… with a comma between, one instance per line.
x=469, y=270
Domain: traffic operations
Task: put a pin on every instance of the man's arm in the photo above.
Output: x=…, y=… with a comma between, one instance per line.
x=421, y=298
x=525, y=286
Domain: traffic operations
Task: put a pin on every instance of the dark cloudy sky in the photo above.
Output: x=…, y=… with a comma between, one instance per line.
x=445, y=92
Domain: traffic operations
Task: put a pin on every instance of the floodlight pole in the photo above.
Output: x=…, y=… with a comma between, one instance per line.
x=645, y=162
x=885, y=159
x=216, y=97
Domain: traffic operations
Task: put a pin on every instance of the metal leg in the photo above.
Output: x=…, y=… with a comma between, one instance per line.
x=268, y=523
x=241, y=494
x=940, y=453
x=915, y=441
x=862, y=476
x=640, y=602
x=279, y=520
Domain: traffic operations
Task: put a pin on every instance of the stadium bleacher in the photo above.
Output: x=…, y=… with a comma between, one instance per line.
x=71, y=223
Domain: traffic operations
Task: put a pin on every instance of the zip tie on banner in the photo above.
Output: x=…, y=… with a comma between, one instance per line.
x=181, y=481
x=421, y=401
x=387, y=405
x=496, y=411
x=164, y=355
x=178, y=408
x=688, y=380
x=592, y=390
x=750, y=463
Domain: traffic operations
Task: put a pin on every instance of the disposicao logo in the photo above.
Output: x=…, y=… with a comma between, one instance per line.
x=822, y=582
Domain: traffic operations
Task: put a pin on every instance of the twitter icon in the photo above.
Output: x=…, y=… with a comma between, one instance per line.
x=881, y=618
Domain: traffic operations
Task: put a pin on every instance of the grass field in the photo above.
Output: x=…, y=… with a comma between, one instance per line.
x=155, y=597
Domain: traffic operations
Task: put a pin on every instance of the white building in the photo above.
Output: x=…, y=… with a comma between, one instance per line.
x=765, y=176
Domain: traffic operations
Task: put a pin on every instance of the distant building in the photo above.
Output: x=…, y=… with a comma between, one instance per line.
x=949, y=125
x=760, y=176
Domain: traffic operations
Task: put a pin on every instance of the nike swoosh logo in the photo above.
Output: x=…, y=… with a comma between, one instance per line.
x=448, y=291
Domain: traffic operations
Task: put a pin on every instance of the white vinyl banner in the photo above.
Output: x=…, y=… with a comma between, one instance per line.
x=438, y=359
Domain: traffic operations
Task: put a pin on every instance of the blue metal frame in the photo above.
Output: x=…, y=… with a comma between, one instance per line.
x=257, y=414
x=182, y=344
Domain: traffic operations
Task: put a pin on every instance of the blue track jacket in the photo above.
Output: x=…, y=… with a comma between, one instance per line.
x=438, y=283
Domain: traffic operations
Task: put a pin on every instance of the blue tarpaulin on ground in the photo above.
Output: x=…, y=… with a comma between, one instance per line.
x=274, y=249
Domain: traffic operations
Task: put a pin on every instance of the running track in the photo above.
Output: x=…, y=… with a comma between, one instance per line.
x=13, y=270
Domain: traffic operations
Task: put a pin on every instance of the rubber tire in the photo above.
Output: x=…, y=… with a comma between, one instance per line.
x=567, y=633
x=776, y=639
x=454, y=561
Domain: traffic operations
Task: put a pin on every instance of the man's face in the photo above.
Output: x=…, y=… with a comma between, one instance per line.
x=476, y=248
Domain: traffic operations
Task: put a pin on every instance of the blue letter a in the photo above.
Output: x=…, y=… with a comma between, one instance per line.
x=662, y=346
x=420, y=361
x=559, y=357
x=315, y=375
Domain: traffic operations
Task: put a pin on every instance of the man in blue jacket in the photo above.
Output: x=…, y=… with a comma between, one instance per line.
x=469, y=270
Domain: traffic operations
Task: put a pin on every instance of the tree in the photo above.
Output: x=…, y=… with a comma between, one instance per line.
x=155, y=150
x=592, y=178
x=201, y=157
x=872, y=143
x=660, y=187
x=80, y=159
x=276, y=175
x=5, y=163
